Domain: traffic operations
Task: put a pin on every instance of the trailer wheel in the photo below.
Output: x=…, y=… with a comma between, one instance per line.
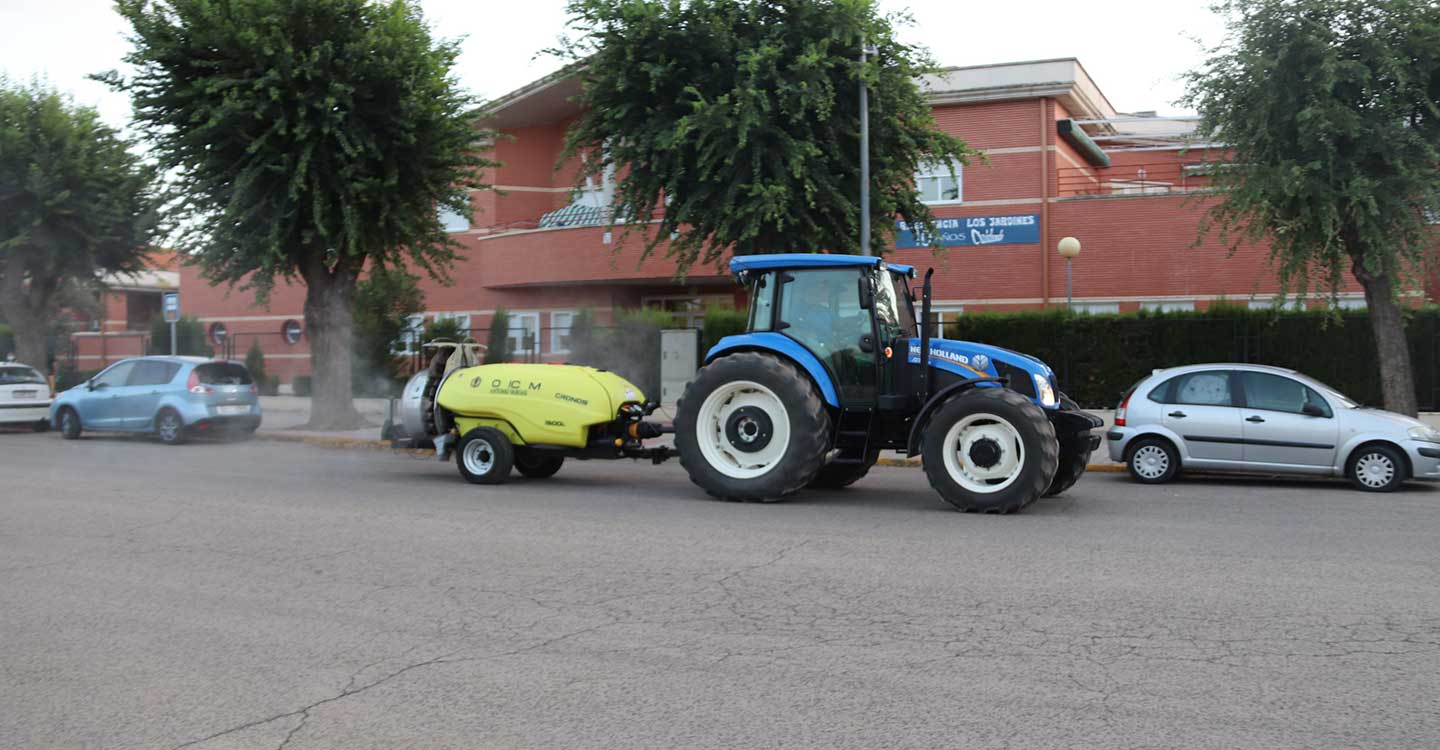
x=484, y=456
x=536, y=465
x=833, y=476
x=1074, y=455
x=990, y=450
x=751, y=427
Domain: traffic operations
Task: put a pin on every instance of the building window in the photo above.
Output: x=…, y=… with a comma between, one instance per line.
x=1096, y=308
x=943, y=316
x=462, y=321
x=936, y=183
x=1136, y=187
x=452, y=221
x=1351, y=303
x=560, y=323
x=1167, y=306
x=524, y=334
x=408, y=342
x=291, y=331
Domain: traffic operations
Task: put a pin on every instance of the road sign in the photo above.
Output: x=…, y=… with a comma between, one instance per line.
x=172, y=307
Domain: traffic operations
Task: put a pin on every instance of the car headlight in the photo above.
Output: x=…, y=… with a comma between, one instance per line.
x=1425, y=434
x=1045, y=392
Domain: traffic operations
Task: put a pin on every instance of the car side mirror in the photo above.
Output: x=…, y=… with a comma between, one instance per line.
x=867, y=293
x=90, y=385
x=1312, y=410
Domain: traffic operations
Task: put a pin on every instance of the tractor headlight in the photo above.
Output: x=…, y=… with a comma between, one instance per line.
x=1043, y=391
x=1425, y=434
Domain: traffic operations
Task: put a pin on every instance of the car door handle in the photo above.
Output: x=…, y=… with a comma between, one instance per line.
x=1254, y=419
x=1176, y=414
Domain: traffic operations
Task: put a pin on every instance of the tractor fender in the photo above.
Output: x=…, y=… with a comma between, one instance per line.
x=770, y=341
x=944, y=394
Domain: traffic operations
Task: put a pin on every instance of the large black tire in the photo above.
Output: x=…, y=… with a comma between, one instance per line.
x=535, y=464
x=1074, y=456
x=834, y=476
x=485, y=456
x=1376, y=468
x=69, y=423
x=808, y=431
x=1035, y=435
x=41, y=426
x=169, y=427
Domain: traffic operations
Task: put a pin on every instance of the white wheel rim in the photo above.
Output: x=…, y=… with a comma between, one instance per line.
x=1375, y=469
x=965, y=434
x=479, y=456
x=730, y=458
x=1150, y=461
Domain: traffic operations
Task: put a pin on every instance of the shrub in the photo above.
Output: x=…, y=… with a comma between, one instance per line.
x=301, y=385
x=630, y=348
x=67, y=378
x=270, y=386
x=497, y=344
x=255, y=363
x=190, y=338
x=721, y=322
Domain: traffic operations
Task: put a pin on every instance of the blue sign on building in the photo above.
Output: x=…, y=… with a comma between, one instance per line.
x=1016, y=229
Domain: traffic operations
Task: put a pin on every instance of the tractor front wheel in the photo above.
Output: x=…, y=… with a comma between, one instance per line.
x=751, y=427
x=990, y=450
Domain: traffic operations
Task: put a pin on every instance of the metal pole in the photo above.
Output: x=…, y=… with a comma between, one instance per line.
x=1069, y=285
x=172, y=338
x=864, y=157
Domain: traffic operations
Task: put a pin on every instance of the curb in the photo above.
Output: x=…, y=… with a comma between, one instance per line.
x=381, y=445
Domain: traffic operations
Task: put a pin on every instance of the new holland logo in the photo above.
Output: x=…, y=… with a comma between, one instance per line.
x=980, y=361
x=949, y=356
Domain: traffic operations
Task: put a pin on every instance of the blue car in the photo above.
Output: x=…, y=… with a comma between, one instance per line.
x=172, y=397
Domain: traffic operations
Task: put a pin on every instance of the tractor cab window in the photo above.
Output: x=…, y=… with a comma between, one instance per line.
x=892, y=307
x=820, y=308
x=762, y=302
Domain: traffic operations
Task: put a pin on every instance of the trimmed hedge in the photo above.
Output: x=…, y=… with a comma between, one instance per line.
x=1097, y=357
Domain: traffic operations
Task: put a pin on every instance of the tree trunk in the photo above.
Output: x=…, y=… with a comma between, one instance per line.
x=330, y=324
x=1397, y=383
x=31, y=329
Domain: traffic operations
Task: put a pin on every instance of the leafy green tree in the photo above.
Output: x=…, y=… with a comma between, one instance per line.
x=497, y=344
x=311, y=139
x=1331, y=112
x=736, y=122
x=75, y=204
x=384, y=301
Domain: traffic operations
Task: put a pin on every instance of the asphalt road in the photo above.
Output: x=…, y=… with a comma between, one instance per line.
x=263, y=595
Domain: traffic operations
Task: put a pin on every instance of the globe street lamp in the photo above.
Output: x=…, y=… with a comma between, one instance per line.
x=1069, y=247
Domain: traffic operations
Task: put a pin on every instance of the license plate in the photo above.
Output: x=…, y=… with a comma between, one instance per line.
x=23, y=394
x=229, y=410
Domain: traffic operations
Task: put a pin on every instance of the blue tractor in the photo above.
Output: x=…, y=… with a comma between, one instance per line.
x=833, y=369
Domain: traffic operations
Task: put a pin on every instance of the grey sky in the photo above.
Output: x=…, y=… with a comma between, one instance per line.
x=1134, y=49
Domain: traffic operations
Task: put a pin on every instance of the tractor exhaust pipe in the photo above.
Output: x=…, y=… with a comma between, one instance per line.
x=925, y=337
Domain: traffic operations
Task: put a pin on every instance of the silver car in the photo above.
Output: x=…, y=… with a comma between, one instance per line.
x=1253, y=418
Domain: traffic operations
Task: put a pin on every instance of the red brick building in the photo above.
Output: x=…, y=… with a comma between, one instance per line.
x=1060, y=161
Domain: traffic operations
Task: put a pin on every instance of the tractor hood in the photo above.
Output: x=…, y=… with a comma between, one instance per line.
x=969, y=359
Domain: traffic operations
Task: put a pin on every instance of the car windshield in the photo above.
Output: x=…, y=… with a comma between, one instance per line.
x=1343, y=401
x=222, y=373
x=19, y=374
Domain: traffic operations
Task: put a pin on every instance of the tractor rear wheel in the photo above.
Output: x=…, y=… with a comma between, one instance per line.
x=990, y=450
x=751, y=427
x=833, y=476
x=535, y=464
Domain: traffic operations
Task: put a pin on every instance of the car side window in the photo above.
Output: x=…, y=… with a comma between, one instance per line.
x=1279, y=393
x=151, y=372
x=1204, y=388
x=115, y=376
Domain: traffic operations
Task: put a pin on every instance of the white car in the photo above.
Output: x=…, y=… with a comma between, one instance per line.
x=24, y=396
x=1253, y=418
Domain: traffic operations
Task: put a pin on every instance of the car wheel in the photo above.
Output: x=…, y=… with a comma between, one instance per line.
x=169, y=427
x=1152, y=461
x=1376, y=468
x=69, y=424
x=42, y=426
x=485, y=456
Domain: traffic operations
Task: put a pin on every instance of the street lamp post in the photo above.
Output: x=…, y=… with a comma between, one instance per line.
x=1070, y=248
x=865, y=51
